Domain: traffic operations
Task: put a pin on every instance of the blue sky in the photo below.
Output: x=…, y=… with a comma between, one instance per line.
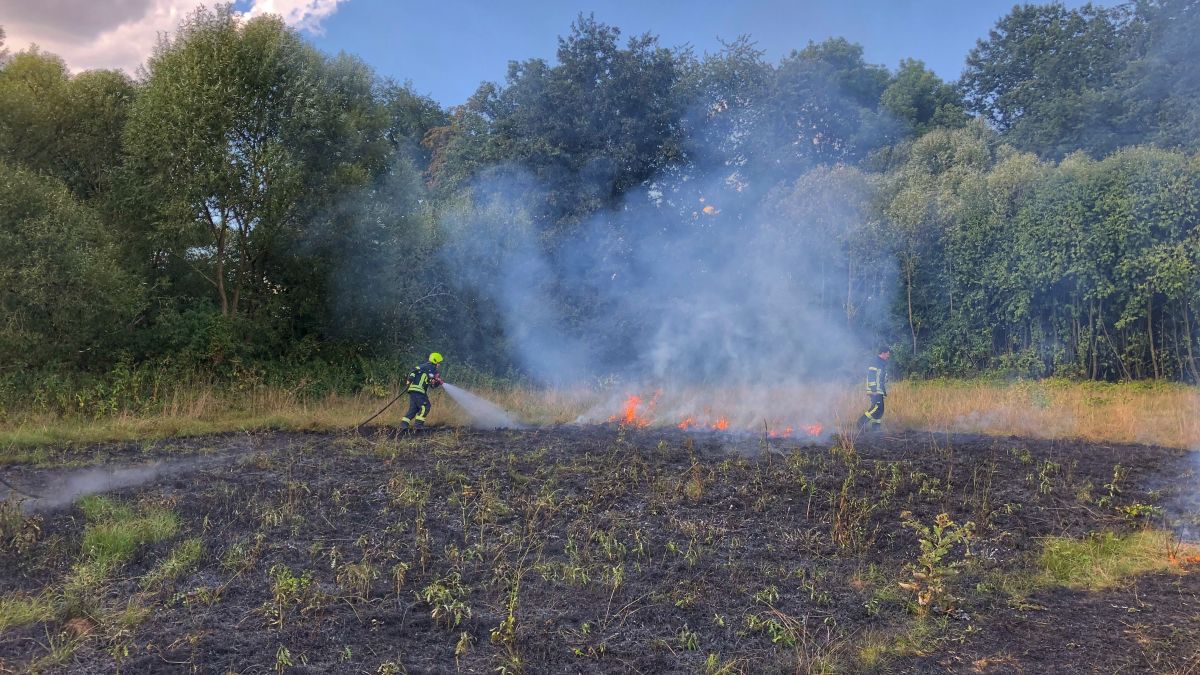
x=447, y=48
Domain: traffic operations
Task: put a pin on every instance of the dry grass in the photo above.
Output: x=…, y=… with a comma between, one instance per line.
x=1127, y=413
x=1162, y=414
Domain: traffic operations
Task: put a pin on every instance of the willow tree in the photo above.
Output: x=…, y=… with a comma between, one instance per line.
x=239, y=125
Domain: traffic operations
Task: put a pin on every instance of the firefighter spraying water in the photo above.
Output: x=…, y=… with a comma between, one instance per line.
x=427, y=376
x=422, y=378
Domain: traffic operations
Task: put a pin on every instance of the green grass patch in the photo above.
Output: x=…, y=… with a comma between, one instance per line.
x=19, y=611
x=1103, y=558
x=114, y=531
x=181, y=560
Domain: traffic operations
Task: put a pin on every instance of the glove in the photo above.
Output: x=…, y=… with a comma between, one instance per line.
x=436, y=381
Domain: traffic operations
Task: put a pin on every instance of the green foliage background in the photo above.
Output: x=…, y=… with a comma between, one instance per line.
x=253, y=210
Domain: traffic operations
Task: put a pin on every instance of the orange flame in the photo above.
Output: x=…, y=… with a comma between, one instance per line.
x=686, y=423
x=721, y=424
x=631, y=414
x=1180, y=561
x=814, y=429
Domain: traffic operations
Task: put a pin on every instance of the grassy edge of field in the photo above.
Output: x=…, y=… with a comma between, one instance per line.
x=1144, y=413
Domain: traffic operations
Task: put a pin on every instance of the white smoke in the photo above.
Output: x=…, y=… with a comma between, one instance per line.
x=686, y=287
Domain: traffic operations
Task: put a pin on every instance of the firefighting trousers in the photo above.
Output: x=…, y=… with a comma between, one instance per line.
x=418, y=410
x=874, y=413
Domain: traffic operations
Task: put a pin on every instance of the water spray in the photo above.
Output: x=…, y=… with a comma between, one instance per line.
x=483, y=413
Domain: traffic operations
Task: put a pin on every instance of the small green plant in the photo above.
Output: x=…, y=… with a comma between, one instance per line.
x=287, y=590
x=356, y=579
x=689, y=639
x=1113, y=486
x=772, y=623
x=768, y=595
x=1139, y=511
x=283, y=659
x=463, y=646
x=446, y=599
x=693, y=487
x=505, y=634
x=714, y=666
x=1022, y=454
x=399, y=576
x=931, y=573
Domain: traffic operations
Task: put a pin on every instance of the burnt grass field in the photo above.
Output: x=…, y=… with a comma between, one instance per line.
x=593, y=549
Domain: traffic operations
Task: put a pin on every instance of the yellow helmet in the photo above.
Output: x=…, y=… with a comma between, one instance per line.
x=435, y=358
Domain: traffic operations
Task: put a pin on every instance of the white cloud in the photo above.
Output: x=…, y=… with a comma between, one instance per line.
x=128, y=43
x=303, y=14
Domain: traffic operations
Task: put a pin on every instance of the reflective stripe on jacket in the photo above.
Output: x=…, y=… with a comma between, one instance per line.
x=877, y=378
x=420, y=376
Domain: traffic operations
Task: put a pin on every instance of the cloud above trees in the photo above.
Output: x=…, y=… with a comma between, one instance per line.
x=121, y=33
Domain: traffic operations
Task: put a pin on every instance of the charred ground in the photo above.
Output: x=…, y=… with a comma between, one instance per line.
x=600, y=549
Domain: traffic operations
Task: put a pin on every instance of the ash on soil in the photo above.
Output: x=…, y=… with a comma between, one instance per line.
x=627, y=550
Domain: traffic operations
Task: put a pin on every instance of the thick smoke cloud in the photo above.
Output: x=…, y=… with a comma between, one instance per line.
x=697, y=283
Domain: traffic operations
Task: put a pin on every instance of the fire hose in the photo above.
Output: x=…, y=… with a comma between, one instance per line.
x=435, y=382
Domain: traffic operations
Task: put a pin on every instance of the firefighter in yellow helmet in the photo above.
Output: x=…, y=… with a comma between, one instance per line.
x=419, y=382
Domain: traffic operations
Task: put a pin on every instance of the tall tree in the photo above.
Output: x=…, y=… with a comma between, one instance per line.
x=825, y=107
x=1154, y=95
x=66, y=126
x=64, y=297
x=242, y=132
x=1039, y=74
x=600, y=121
x=921, y=100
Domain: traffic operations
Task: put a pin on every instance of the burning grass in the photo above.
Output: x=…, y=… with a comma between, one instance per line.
x=1125, y=413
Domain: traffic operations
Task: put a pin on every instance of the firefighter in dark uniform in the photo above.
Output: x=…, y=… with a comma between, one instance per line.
x=877, y=390
x=420, y=381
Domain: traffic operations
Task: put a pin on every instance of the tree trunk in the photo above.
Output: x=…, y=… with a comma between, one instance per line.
x=1092, y=340
x=1150, y=334
x=221, y=274
x=219, y=233
x=1187, y=330
x=908, y=272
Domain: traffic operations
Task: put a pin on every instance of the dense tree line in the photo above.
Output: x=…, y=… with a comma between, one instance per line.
x=250, y=200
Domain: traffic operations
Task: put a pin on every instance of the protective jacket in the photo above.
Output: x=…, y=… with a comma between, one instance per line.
x=877, y=378
x=423, y=377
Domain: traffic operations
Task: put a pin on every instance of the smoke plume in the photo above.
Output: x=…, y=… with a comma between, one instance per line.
x=687, y=285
